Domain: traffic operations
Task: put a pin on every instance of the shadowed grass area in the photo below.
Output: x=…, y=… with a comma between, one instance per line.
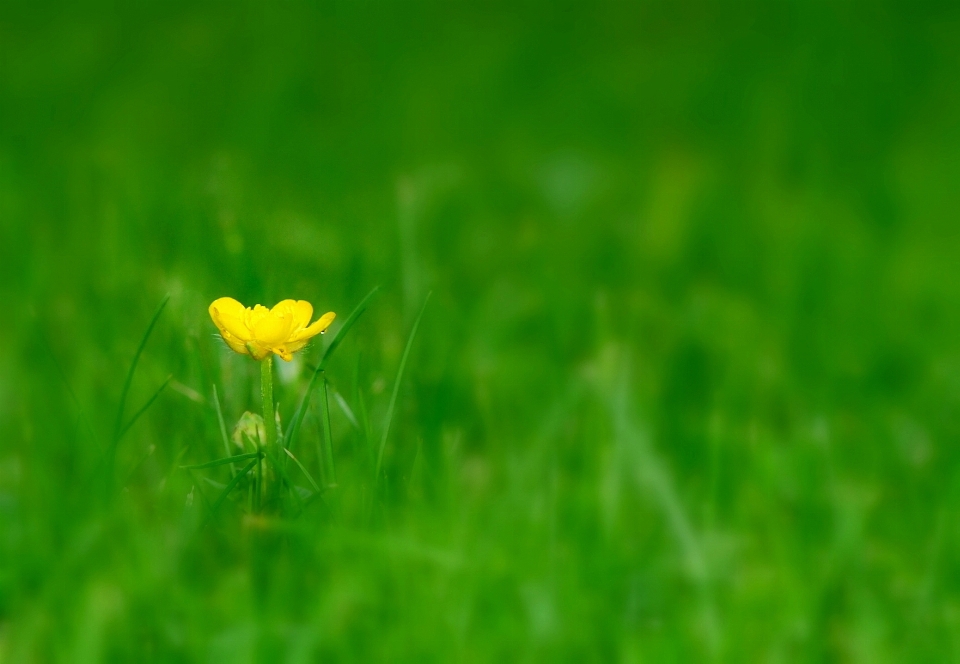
x=687, y=387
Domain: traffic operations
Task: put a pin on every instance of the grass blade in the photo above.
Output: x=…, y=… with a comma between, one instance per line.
x=327, y=432
x=174, y=466
x=220, y=462
x=304, y=470
x=342, y=332
x=396, y=388
x=203, y=498
x=136, y=466
x=345, y=407
x=294, y=429
x=189, y=393
x=283, y=474
x=223, y=428
x=364, y=418
x=133, y=368
x=236, y=480
x=143, y=409
x=118, y=429
x=94, y=438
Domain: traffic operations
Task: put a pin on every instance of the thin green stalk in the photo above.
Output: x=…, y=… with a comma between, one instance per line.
x=396, y=389
x=327, y=432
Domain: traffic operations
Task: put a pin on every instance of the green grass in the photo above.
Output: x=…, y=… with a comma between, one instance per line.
x=393, y=395
x=687, y=388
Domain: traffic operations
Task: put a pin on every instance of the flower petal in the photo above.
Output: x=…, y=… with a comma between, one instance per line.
x=302, y=313
x=227, y=305
x=228, y=315
x=235, y=344
x=294, y=346
x=251, y=316
x=283, y=308
x=318, y=327
x=271, y=329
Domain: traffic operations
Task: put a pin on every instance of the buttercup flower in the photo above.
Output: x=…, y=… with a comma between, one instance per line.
x=259, y=331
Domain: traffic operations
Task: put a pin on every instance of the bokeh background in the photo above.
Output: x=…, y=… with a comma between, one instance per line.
x=687, y=387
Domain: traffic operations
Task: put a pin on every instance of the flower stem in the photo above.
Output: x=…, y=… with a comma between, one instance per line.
x=269, y=422
x=266, y=391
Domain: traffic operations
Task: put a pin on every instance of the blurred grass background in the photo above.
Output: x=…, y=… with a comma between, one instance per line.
x=687, y=388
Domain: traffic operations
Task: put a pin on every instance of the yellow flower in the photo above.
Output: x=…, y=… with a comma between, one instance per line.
x=259, y=331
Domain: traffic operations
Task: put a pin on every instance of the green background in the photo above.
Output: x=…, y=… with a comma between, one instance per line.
x=687, y=387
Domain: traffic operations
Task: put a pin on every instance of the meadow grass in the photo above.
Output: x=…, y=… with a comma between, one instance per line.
x=686, y=388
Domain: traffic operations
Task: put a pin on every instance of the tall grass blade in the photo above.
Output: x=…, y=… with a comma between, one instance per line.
x=327, y=433
x=94, y=438
x=320, y=456
x=347, y=411
x=284, y=476
x=118, y=429
x=221, y=462
x=304, y=470
x=294, y=429
x=236, y=480
x=133, y=368
x=136, y=466
x=173, y=466
x=396, y=388
x=364, y=419
x=223, y=428
x=143, y=409
x=188, y=392
x=203, y=499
